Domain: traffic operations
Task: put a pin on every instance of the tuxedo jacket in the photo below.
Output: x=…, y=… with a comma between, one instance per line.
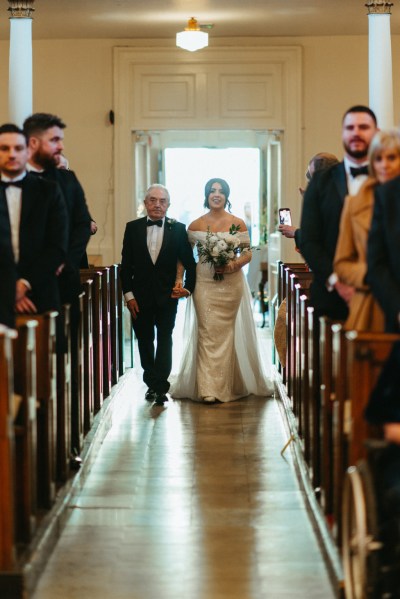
x=8, y=269
x=42, y=240
x=383, y=252
x=78, y=219
x=322, y=208
x=154, y=282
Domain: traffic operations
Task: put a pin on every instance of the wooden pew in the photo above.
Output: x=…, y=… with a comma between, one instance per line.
x=287, y=373
x=25, y=430
x=97, y=333
x=314, y=398
x=7, y=452
x=64, y=399
x=46, y=382
x=88, y=375
x=114, y=321
x=305, y=386
x=106, y=327
x=121, y=331
x=366, y=354
x=339, y=439
x=299, y=281
x=327, y=398
x=301, y=349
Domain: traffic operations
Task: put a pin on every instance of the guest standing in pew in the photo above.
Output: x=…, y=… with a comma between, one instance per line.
x=383, y=253
x=45, y=134
x=383, y=409
x=350, y=261
x=322, y=207
x=63, y=163
x=319, y=162
x=36, y=226
x=151, y=249
x=8, y=269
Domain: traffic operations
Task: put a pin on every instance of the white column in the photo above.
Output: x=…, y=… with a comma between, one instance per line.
x=20, y=62
x=380, y=62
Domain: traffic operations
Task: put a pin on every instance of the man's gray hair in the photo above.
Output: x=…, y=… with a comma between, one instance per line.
x=157, y=186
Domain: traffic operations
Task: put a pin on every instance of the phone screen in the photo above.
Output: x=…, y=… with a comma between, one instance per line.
x=285, y=216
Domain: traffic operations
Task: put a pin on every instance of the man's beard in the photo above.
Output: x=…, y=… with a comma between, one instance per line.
x=356, y=153
x=45, y=160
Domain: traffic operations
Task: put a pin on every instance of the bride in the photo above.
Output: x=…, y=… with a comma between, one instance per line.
x=220, y=358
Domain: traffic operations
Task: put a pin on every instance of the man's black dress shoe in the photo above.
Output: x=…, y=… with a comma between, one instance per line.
x=160, y=399
x=150, y=395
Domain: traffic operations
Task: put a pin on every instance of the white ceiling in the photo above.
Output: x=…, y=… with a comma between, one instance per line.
x=126, y=19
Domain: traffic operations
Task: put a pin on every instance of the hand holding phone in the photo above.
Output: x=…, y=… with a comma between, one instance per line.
x=285, y=217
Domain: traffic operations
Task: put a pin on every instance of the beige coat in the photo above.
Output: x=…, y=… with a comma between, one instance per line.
x=350, y=263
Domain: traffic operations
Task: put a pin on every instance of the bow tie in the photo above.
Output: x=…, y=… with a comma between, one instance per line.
x=5, y=184
x=150, y=223
x=355, y=171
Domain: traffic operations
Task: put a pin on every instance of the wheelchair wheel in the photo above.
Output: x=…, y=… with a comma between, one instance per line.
x=360, y=549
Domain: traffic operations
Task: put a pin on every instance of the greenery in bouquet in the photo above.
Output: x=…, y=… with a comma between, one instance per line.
x=220, y=248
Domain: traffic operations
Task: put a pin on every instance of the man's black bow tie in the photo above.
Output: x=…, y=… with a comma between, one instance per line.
x=358, y=170
x=5, y=184
x=150, y=223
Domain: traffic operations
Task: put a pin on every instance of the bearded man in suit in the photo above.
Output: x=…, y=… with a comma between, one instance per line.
x=45, y=133
x=322, y=208
x=32, y=217
x=151, y=249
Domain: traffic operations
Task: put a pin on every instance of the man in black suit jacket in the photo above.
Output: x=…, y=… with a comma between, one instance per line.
x=8, y=270
x=322, y=208
x=151, y=249
x=36, y=215
x=45, y=134
x=383, y=252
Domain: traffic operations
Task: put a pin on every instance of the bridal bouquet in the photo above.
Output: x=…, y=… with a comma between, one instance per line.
x=220, y=248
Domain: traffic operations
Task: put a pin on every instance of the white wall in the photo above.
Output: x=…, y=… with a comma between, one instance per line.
x=73, y=78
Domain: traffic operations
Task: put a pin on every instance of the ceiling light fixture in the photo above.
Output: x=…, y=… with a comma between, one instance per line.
x=192, y=38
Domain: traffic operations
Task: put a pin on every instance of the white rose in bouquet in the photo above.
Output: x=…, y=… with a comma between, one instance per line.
x=222, y=245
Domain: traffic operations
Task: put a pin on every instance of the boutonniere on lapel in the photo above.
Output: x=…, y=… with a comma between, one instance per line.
x=170, y=223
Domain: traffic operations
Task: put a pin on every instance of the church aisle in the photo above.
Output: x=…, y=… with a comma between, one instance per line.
x=188, y=501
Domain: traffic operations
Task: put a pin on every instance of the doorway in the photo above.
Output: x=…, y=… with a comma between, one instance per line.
x=186, y=170
x=185, y=160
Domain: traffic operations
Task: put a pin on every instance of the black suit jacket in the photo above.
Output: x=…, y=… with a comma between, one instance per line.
x=383, y=252
x=42, y=240
x=322, y=208
x=8, y=269
x=154, y=282
x=78, y=229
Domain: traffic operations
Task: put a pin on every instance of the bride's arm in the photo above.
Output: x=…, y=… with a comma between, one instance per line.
x=239, y=262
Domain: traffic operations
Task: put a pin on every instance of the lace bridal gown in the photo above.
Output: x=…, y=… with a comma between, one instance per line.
x=220, y=356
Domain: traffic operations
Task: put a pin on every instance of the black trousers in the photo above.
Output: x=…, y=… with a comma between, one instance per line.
x=156, y=323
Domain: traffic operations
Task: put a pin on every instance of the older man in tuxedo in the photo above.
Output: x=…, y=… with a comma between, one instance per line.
x=151, y=249
x=34, y=215
x=322, y=208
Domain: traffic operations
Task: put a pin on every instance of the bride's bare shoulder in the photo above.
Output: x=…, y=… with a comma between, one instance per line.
x=238, y=222
x=198, y=225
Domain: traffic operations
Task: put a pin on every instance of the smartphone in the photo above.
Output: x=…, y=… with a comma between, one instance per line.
x=285, y=217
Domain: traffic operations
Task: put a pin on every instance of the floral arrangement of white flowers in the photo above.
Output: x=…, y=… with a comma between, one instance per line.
x=170, y=222
x=220, y=248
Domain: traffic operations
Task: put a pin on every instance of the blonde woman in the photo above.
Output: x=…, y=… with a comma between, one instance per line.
x=350, y=263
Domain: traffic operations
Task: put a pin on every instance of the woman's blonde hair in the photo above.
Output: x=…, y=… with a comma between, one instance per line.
x=383, y=140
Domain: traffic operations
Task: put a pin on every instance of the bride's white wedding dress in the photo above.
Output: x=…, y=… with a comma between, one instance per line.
x=220, y=356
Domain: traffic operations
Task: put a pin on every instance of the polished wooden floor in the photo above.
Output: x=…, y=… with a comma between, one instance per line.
x=189, y=501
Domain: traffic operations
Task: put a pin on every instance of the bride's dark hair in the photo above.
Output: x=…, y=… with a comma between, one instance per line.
x=225, y=189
